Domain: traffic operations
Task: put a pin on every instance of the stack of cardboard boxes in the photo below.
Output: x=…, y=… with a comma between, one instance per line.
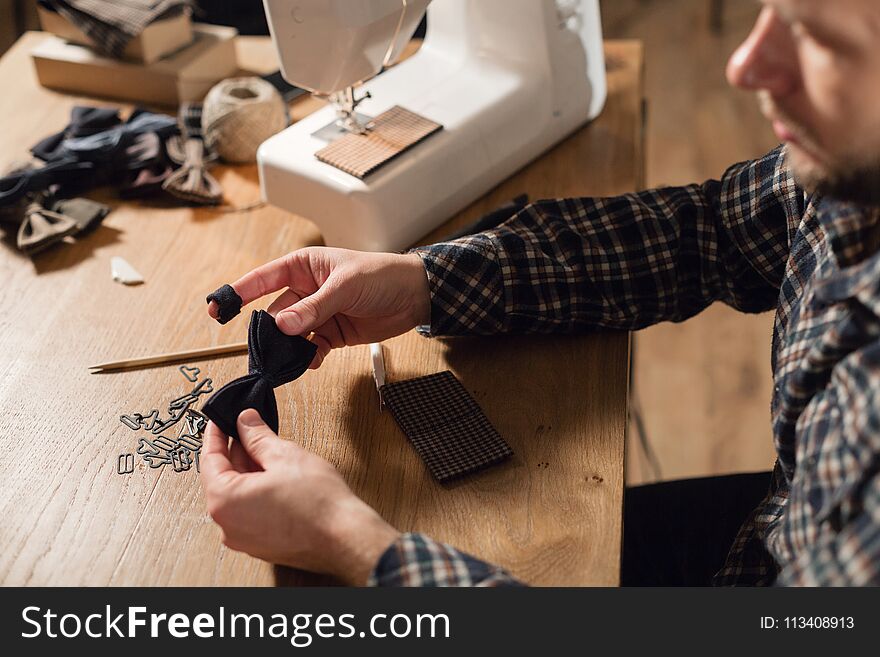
x=172, y=61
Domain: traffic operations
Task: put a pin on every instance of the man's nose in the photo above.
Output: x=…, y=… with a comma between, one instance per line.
x=767, y=60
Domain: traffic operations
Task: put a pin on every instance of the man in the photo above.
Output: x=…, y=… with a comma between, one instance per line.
x=796, y=230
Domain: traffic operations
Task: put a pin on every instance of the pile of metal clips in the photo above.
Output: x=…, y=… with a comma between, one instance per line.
x=157, y=450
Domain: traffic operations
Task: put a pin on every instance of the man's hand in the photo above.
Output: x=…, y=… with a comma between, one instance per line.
x=345, y=297
x=281, y=503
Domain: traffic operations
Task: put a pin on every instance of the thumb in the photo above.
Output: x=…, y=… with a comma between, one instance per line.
x=310, y=312
x=258, y=440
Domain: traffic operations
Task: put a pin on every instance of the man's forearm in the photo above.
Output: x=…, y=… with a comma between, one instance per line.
x=624, y=263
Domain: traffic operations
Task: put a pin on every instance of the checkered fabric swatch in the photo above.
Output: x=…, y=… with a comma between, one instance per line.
x=445, y=425
x=111, y=24
x=189, y=118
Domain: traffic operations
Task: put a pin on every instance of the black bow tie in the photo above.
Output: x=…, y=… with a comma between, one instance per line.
x=273, y=360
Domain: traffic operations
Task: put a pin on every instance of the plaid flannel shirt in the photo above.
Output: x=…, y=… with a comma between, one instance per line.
x=754, y=241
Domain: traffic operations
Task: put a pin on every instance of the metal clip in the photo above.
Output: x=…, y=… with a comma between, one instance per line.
x=195, y=422
x=192, y=443
x=161, y=450
x=165, y=443
x=151, y=454
x=125, y=464
x=191, y=374
x=176, y=414
x=181, y=459
x=149, y=422
x=203, y=388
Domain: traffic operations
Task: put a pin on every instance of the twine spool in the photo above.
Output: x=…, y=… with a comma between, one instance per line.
x=239, y=114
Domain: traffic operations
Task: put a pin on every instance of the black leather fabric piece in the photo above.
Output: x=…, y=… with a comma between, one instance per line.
x=228, y=303
x=274, y=359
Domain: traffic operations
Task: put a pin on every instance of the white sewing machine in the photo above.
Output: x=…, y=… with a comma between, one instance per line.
x=507, y=79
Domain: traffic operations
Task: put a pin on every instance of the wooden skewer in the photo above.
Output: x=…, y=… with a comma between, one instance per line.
x=164, y=359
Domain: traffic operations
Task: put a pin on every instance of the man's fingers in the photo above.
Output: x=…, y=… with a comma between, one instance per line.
x=241, y=460
x=324, y=348
x=260, y=442
x=263, y=280
x=310, y=312
x=214, y=461
x=285, y=300
x=299, y=270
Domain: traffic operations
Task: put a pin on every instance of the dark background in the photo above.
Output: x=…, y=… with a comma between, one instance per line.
x=246, y=15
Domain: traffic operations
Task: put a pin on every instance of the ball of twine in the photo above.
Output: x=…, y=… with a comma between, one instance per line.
x=239, y=114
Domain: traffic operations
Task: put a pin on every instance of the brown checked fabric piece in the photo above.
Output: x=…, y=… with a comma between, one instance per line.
x=392, y=133
x=111, y=24
x=445, y=425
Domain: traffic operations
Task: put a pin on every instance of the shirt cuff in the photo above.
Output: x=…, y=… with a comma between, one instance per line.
x=416, y=560
x=466, y=287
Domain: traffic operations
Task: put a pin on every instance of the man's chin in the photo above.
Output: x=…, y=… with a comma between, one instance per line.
x=808, y=171
x=844, y=182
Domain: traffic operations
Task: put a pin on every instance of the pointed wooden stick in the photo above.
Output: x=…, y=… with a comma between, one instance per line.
x=164, y=359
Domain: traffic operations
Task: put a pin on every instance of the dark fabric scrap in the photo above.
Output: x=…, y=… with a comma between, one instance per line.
x=88, y=214
x=13, y=215
x=41, y=219
x=12, y=212
x=16, y=186
x=145, y=151
x=145, y=182
x=112, y=152
x=445, y=425
x=84, y=121
x=121, y=146
x=228, y=303
x=274, y=359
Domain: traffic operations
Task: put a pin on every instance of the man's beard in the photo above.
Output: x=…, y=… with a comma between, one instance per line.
x=854, y=178
x=849, y=181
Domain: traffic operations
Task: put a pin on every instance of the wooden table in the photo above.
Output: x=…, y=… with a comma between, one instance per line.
x=552, y=515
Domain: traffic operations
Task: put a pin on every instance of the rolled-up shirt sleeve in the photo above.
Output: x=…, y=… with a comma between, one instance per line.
x=623, y=263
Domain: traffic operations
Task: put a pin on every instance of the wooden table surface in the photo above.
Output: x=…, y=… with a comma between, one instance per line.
x=552, y=515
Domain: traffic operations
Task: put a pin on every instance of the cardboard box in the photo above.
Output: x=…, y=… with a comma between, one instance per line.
x=157, y=40
x=184, y=76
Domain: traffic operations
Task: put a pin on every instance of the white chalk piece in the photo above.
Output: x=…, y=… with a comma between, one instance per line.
x=378, y=361
x=123, y=272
